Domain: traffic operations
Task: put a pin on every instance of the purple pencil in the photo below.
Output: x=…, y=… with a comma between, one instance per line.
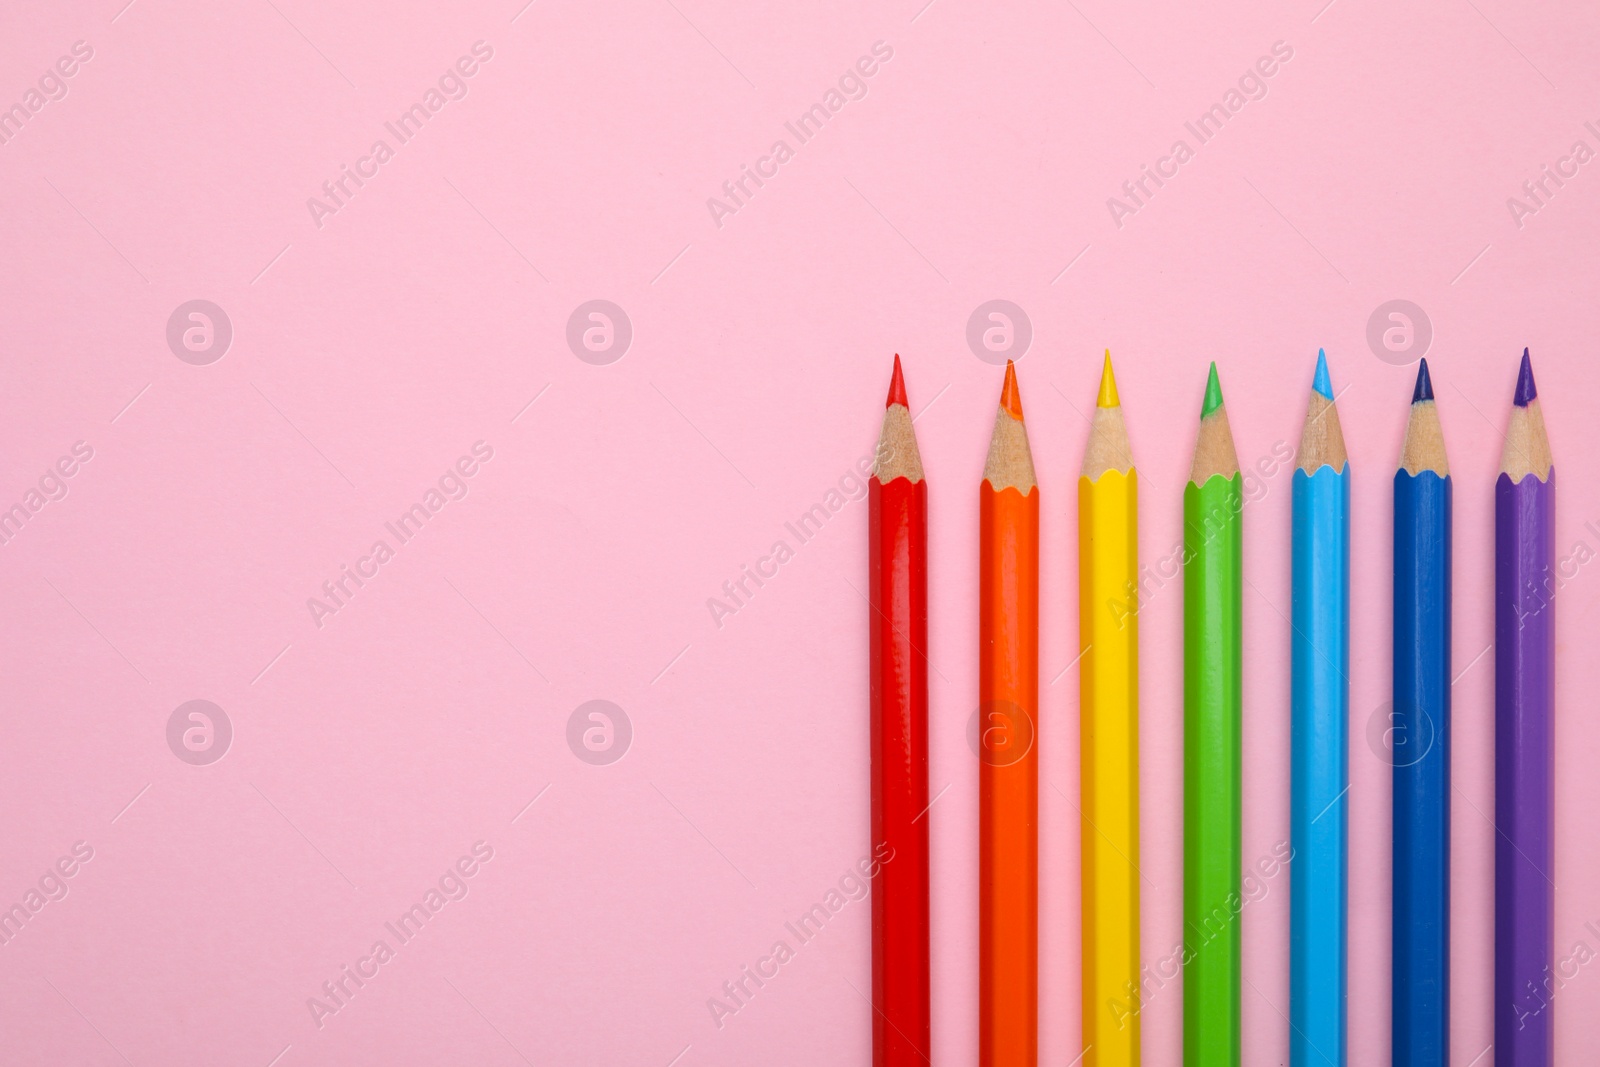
x=1524, y=700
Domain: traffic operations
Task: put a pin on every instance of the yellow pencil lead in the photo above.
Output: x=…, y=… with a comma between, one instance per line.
x=1108, y=386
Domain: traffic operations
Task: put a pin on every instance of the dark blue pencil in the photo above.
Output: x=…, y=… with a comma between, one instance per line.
x=1420, y=728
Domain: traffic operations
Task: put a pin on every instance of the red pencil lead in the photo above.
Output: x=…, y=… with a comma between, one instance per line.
x=897, y=386
x=1010, y=395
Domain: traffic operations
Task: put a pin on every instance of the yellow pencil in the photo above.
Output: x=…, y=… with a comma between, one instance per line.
x=1108, y=717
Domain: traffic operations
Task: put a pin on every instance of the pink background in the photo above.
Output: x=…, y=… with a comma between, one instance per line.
x=369, y=754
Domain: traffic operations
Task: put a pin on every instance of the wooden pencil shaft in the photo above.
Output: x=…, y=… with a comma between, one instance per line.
x=1212, y=704
x=1419, y=728
x=1108, y=567
x=1320, y=776
x=1008, y=778
x=1008, y=744
x=898, y=624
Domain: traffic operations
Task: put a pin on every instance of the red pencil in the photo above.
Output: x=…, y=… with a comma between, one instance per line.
x=898, y=550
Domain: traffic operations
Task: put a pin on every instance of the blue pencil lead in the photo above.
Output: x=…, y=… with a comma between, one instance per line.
x=1424, y=389
x=1323, y=384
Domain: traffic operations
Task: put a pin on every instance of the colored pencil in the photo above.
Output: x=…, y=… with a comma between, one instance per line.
x=1420, y=727
x=1212, y=605
x=897, y=521
x=1524, y=711
x=1108, y=725
x=1008, y=766
x=1319, y=669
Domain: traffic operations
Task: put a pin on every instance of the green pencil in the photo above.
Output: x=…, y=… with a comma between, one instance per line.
x=1211, y=685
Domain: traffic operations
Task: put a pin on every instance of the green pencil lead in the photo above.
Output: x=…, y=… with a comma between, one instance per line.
x=1213, y=399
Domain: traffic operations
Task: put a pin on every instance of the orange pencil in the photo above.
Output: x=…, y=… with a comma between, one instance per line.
x=1008, y=750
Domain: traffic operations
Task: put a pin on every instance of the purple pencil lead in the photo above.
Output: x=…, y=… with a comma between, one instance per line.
x=1526, y=390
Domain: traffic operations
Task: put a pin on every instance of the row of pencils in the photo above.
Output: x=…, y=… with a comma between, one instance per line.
x=1108, y=608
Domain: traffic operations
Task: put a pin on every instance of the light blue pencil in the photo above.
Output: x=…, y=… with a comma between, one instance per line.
x=1320, y=715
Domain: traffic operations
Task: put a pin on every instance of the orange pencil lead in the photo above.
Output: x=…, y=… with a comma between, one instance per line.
x=1010, y=395
x=897, y=386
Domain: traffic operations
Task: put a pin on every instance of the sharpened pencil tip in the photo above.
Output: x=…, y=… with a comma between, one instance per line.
x=1108, y=386
x=1213, y=399
x=1323, y=383
x=1424, y=388
x=897, y=386
x=1010, y=395
x=1526, y=390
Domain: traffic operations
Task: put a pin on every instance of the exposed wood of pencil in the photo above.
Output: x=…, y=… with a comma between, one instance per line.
x=898, y=456
x=898, y=621
x=1214, y=452
x=1008, y=768
x=1322, y=439
x=1010, y=462
x=1108, y=448
x=1424, y=445
x=1527, y=448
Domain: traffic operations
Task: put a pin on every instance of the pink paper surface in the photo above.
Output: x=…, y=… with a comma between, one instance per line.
x=434, y=320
